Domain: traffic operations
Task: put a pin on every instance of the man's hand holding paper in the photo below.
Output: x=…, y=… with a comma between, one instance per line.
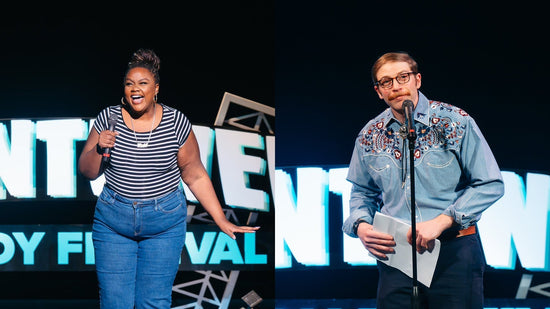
x=401, y=258
x=428, y=231
x=377, y=243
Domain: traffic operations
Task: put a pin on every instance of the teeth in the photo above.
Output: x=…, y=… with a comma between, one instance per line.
x=136, y=97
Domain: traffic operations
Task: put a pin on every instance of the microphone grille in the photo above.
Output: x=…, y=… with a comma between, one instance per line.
x=112, y=119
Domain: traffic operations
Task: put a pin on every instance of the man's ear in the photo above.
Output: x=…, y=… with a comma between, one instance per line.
x=378, y=92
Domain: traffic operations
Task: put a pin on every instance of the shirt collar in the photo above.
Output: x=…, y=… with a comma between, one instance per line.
x=420, y=112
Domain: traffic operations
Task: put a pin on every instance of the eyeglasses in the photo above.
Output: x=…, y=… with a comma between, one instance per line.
x=401, y=78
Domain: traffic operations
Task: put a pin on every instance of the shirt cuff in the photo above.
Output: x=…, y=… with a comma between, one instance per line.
x=348, y=224
x=463, y=220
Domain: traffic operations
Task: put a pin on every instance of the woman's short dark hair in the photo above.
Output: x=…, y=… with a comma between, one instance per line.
x=145, y=58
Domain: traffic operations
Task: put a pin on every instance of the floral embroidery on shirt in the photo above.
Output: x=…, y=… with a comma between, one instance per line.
x=377, y=138
x=397, y=154
x=445, y=131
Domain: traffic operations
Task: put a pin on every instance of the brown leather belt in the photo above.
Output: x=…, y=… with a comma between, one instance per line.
x=467, y=231
x=453, y=233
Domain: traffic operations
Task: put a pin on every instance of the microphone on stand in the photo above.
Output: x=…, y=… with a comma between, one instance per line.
x=408, y=107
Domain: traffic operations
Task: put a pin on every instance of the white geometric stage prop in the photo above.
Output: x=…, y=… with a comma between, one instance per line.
x=206, y=290
x=260, y=112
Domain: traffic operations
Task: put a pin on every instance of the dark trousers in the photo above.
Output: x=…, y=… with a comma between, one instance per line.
x=457, y=281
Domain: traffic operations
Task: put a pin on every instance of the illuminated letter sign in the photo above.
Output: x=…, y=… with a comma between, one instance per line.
x=517, y=223
x=301, y=218
x=236, y=166
x=70, y=247
x=60, y=137
x=17, y=167
x=44, y=153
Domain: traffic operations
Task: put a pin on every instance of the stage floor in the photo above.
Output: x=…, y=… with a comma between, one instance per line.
x=538, y=303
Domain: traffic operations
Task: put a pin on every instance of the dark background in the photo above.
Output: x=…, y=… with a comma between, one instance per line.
x=309, y=59
x=489, y=58
x=70, y=62
x=73, y=63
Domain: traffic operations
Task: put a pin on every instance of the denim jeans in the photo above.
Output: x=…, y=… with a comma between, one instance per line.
x=138, y=245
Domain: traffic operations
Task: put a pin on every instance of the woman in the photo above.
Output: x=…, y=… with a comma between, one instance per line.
x=139, y=223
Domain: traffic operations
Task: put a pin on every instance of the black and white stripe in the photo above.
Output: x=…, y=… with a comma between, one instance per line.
x=144, y=173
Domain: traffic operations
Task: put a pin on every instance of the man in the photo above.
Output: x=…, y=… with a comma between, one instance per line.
x=457, y=178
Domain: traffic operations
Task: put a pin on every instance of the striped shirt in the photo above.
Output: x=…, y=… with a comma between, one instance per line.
x=144, y=173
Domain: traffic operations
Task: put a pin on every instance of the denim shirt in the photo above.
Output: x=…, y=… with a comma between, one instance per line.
x=456, y=173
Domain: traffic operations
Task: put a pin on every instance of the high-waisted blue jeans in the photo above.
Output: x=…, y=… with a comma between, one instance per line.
x=138, y=245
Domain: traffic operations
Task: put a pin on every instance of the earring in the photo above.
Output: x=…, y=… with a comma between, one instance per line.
x=155, y=98
x=122, y=101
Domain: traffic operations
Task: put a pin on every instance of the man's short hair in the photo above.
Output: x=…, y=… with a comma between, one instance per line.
x=393, y=57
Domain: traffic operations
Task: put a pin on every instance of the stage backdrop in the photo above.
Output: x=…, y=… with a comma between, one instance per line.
x=313, y=201
x=38, y=169
x=61, y=68
x=482, y=58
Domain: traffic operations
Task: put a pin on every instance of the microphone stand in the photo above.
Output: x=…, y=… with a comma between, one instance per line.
x=411, y=136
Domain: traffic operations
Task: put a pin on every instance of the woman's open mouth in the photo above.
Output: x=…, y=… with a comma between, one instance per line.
x=137, y=99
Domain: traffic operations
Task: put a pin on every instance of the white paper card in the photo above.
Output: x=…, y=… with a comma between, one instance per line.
x=402, y=258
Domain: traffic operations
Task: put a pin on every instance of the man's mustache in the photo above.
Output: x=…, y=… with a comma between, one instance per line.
x=393, y=96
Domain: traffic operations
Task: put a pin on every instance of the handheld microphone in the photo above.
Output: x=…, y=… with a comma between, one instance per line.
x=409, y=118
x=107, y=151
